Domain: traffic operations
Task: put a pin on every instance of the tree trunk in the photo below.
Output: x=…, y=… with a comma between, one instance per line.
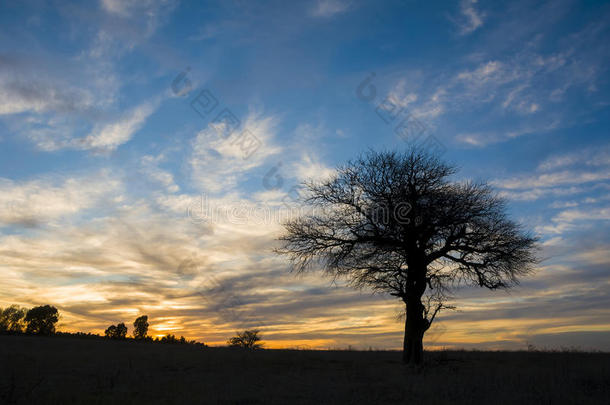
x=413, y=346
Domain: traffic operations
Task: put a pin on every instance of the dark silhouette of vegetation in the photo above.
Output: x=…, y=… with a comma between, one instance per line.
x=172, y=339
x=169, y=338
x=140, y=327
x=12, y=319
x=110, y=332
x=116, y=332
x=82, y=335
x=41, y=320
x=248, y=339
x=396, y=223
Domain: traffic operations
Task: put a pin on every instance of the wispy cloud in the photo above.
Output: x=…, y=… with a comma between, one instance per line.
x=571, y=219
x=43, y=201
x=511, y=94
x=150, y=167
x=18, y=96
x=554, y=179
x=145, y=16
x=470, y=18
x=583, y=171
x=109, y=136
x=329, y=8
x=218, y=160
x=586, y=157
x=310, y=168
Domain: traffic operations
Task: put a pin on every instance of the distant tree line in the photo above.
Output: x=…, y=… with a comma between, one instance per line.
x=119, y=331
x=41, y=320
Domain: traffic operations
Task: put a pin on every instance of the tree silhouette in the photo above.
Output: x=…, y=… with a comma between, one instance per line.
x=41, y=320
x=248, y=340
x=396, y=223
x=116, y=332
x=121, y=331
x=140, y=327
x=110, y=332
x=12, y=319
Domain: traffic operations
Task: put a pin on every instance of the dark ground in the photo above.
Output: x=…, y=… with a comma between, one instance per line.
x=63, y=370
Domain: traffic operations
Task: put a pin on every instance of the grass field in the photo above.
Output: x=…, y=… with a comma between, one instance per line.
x=62, y=370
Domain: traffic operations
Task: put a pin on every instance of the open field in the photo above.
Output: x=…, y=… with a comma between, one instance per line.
x=59, y=370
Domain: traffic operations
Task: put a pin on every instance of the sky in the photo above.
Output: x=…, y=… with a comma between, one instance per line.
x=150, y=150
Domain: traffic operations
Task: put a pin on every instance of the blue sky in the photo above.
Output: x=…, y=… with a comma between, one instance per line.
x=108, y=151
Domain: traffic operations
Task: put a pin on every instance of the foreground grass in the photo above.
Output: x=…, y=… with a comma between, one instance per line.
x=60, y=370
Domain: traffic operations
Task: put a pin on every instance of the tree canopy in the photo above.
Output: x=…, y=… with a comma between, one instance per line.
x=12, y=319
x=116, y=332
x=249, y=339
x=41, y=320
x=140, y=327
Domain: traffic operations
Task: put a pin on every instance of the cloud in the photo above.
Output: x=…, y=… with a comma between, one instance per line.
x=26, y=88
x=553, y=179
x=560, y=178
x=482, y=139
x=143, y=15
x=401, y=95
x=52, y=106
x=202, y=280
x=470, y=18
x=56, y=132
x=38, y=96
x=110, y=136
x=55, y=101
x=587, y=157
x=121, y=8
x=309, y=168
x=511, y=94
x=599, y=255
x=329, y=8
x=552, y=192
x=491, y=70
x=38, y=202
x=221, y=158
x=592, y=214
x=150, y=167
x=470, y=90
x=205, y=280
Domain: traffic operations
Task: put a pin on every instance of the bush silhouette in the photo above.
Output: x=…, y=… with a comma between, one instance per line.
x=169, y=338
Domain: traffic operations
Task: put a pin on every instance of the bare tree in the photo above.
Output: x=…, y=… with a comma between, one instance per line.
x=396, y=223
x=248, y=339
